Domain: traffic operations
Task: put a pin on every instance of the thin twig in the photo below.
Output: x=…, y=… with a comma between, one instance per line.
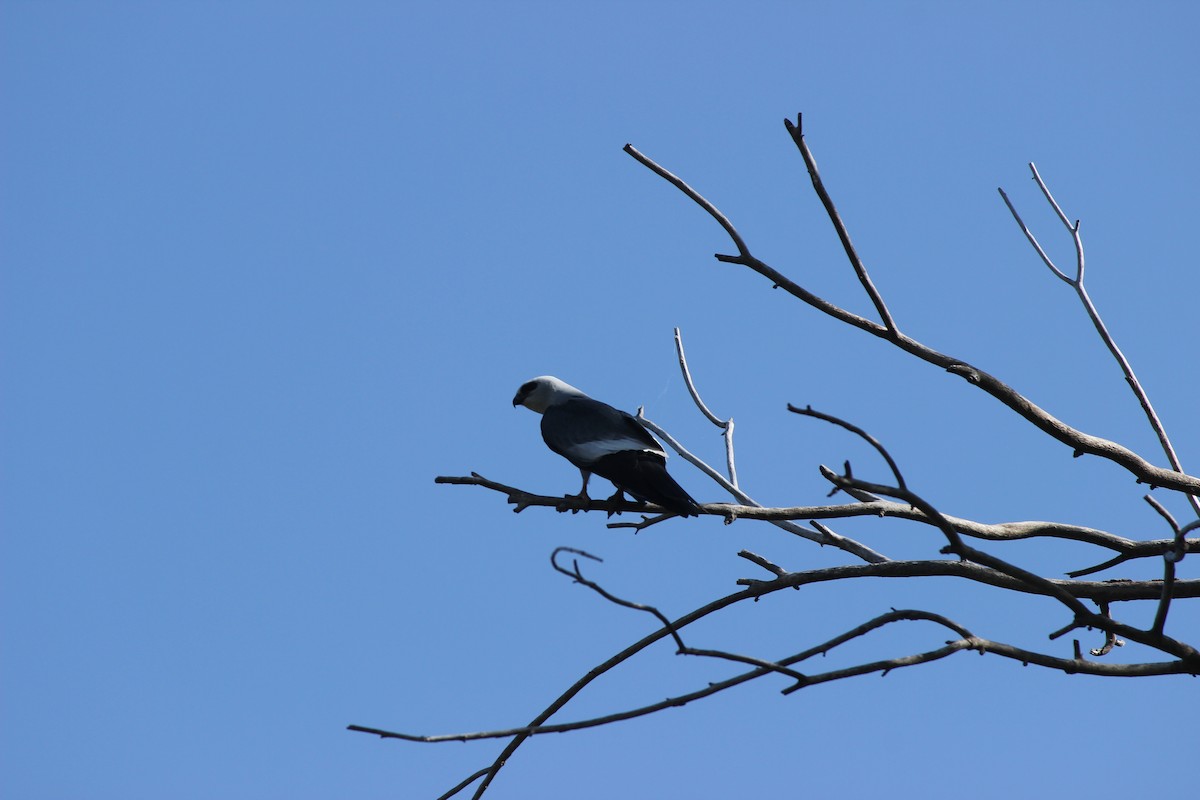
x=1032, y=239
x=1170, y=558
x=691, y=387
x=1112, y=562
x=1164, y=513
x=646, y=522
x=763, y=663
x=1072, y=227
x=682, y=186
x=726, y=426
x=575, y=574
x=797, y=133
x=808, y=411
x=766, y=564
x=465, y=783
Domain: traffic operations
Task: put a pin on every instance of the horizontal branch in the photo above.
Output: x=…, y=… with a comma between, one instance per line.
x=1002, y=531
x=522, y=499
x=1106, y=591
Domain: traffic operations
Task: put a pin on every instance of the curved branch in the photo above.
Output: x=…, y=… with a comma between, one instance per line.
x=691, y=387
x=1033, y=239
x=808, y=411
x=575, y=574
x=679, y=184
x=726, y=426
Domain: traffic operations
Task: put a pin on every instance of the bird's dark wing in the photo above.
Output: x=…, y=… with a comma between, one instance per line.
x=598, y=438
x=584, y=430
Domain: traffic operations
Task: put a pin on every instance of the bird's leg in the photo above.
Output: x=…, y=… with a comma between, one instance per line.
x=618, y=497
x=582, y=496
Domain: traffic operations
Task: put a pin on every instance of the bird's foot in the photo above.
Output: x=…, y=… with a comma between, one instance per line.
x=618, y=497
x=570, y=499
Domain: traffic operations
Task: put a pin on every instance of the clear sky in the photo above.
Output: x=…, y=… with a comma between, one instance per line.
x=270, y=267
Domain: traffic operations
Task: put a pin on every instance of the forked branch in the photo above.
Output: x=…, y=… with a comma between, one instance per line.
x=1110, y=343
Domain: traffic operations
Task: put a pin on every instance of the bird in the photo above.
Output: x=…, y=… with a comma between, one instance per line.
x=600, y=439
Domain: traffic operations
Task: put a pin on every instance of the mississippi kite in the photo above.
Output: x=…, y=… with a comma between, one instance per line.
x=598, y=438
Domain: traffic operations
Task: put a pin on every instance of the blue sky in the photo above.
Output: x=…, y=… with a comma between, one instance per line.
x=268, y=268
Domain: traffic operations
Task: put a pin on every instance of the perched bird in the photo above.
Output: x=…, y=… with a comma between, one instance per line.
x=598, y=438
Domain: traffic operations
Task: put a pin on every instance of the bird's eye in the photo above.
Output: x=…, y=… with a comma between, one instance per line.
x=527, y=387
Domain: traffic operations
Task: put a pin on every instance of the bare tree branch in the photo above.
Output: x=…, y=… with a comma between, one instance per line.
x=679, y=184
x=1098, y=323
x=797, y=134
x=1005, y=531
x=1033, y=239
x=745, y=258
x=577, y=576
x=1110, y=591
x=726, y=426
x=808, y=411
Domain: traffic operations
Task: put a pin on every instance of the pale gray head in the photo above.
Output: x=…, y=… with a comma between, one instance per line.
x=545, y=391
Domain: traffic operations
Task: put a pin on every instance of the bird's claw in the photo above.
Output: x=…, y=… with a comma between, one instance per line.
x=618, y=497
x=569, y=499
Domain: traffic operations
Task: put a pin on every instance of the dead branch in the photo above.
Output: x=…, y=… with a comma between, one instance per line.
x=1004, y=531
x=1097, y=322
x=726, y=426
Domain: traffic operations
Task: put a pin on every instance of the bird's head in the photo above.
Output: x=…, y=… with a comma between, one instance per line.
x=541, y=393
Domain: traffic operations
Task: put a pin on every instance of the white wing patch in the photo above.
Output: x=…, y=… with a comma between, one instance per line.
x=599, y=448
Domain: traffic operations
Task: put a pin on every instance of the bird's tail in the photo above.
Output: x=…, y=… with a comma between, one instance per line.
x=644, y=475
